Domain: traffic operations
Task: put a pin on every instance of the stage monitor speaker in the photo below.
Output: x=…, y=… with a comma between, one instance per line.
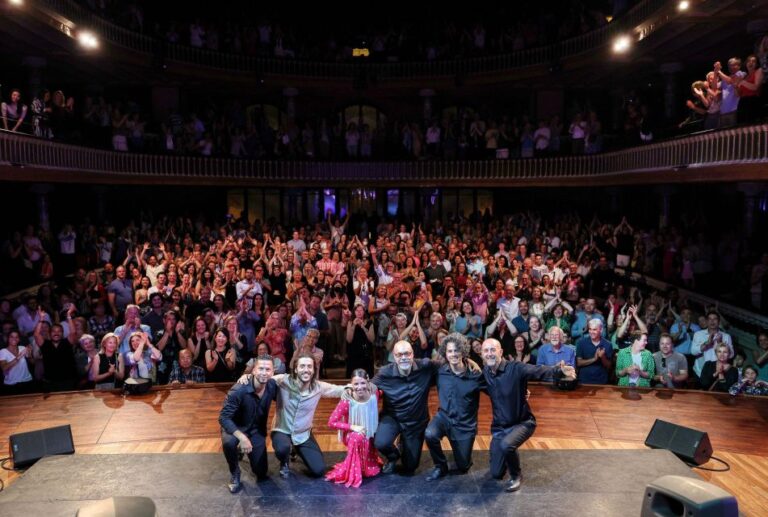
x=27, y=448
x=681, y=496
x=689, y=445
x=120, y=507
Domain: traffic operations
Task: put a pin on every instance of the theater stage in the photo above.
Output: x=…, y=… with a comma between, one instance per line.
x=591, y=418
x=556, y=483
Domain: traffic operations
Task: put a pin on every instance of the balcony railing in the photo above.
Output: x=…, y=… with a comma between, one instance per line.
x=743, y=145
x=548, y=54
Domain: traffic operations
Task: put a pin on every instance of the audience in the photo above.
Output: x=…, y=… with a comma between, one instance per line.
x=212, y=307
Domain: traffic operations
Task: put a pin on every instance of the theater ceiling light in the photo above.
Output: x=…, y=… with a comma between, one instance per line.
x=16, y=2
x=683, y=5
x=621, y=44
x=87, y=39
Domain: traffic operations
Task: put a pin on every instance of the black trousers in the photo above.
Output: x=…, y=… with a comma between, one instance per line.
x=309, y=452
x=410, y=442
x=439, y=428
x=504, y=446
x=257, y=457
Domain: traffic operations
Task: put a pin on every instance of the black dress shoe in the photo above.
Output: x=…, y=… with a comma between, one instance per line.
x=285, y=471
x=388, y=468
x=234, y=483
x=436, y=474
x=513, y=485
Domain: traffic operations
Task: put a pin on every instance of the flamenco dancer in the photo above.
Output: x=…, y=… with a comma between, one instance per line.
x=356, y=420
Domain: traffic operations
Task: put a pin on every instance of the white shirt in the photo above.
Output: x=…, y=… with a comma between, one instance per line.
x=251, y=288
x=67, y=243
x=19, y=372
x=700, y=339
x=196, y=35
x=543, y=142
x=153, y=271
x=509, y=306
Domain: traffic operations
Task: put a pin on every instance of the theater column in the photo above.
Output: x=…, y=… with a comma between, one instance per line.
x=752, y=192
x=100, y=196
x=666, y=192
x=671, y=73
x=290, y=94
x=427, y=94
x=35, y=66
x=41, y=191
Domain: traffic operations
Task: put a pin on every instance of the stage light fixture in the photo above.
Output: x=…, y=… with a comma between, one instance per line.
x=16, y=2
x=87, y=39
x=621, y=44
x=683, y=5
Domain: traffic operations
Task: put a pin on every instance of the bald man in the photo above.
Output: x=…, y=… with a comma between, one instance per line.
x=405, y=384
x=513, y=422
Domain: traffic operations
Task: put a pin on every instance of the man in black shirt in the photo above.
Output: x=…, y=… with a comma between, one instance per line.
x=58, y=355
x=513, y=422
x=405, y=384
x=243, y=421
x=458, y=387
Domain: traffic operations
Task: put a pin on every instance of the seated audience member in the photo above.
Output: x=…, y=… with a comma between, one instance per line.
x=635, y=365
x=593, y=355
x=276, y=338
x=84, y=355
x=555, y=351
x=719, y=375
x=706, y=341
x=132, y=325
x=108, y=366
x=522, y=352
x=220, y=361
x=14, y=361
x=309, y=345
x=58, y=358
x=184, y=372
x=671, y=366
x=263, y=351
x=142, y=358
x=749, y=384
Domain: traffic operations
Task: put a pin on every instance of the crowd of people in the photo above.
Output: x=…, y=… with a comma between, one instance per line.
x=298, y=35
x=235, y=130
x=731, y=96
x=177, y=301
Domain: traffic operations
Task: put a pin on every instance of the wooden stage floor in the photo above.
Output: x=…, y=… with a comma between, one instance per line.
x=186, y=420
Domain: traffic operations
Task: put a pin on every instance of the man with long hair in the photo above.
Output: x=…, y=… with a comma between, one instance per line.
x=297, y=397
x=459, y=382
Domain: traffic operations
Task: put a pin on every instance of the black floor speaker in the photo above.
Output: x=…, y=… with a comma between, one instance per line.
x=689, y=445
x=679, y=496
x=27, y=448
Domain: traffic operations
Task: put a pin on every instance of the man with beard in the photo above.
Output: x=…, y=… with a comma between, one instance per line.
x=297, y=397
x=513, y=422
x=58, y=356
x=459, y=382
x=243, y=421
x=405, y=384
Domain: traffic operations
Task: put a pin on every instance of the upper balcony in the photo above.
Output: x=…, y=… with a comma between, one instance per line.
x=739, y=154
x=671, y=30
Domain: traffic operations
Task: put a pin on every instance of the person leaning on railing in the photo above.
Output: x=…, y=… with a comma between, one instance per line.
x=13, y=112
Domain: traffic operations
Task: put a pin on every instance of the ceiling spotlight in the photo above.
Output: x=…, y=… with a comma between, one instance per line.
x=87, y=39
x=16, y=2
x=621, y=44
x=683, y=5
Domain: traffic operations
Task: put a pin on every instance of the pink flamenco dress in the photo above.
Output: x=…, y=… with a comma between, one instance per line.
x=362, y=460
